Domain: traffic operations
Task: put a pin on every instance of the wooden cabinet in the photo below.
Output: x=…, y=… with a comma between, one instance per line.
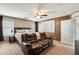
x=12, y=39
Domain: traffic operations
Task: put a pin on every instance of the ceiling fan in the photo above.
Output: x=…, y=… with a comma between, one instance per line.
x=41, y=13
x=38, y=14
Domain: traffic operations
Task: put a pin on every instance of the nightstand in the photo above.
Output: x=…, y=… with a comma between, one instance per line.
x=12, y=39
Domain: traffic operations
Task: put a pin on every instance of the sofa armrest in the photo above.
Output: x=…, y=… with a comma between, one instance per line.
x=26, y=44
x=26, y=48
x=48, y=37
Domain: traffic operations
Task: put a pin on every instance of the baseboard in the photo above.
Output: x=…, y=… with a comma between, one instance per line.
x=71, y=46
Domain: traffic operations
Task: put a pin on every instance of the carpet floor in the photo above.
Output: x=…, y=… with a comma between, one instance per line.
x=7, y=48
x=58, y=48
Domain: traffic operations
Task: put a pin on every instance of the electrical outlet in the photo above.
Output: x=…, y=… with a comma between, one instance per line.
x=11, y=30
x=55, y=37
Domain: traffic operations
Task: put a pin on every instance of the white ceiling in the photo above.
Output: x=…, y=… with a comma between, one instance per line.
x=27, y=10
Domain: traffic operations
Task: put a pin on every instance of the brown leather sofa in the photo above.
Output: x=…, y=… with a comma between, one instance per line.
x=31, y=45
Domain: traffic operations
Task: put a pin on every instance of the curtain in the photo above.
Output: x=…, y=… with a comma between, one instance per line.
x=1, y=29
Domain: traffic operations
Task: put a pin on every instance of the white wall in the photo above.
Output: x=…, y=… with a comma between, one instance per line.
x=8, y=27
x=11, y=11
x=47, y=26
x=33, y=26
x=10, y=23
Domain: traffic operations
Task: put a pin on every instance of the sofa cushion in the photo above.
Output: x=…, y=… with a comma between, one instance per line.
x=27, y=35
x=30, y=37
x=23, y=37
x=43, y=35
x=34, y=36
x=43, y=42
x=35, y=41
x=36, y=45
x=38, y=35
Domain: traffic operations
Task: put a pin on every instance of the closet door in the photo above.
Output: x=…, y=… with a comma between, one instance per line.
x=1, y=30
x=77, y=28
x=77, y=36
x=66, y=32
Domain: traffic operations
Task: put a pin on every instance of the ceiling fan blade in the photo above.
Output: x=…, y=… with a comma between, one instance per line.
x=44, y=15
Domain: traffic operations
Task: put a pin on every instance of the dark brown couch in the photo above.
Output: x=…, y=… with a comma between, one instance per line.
x=31, y=45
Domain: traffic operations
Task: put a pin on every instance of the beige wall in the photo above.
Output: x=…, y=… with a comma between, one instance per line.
x=22, y=23
x=25, y=24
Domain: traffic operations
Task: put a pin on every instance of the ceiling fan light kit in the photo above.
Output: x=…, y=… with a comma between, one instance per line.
x=41, y=13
